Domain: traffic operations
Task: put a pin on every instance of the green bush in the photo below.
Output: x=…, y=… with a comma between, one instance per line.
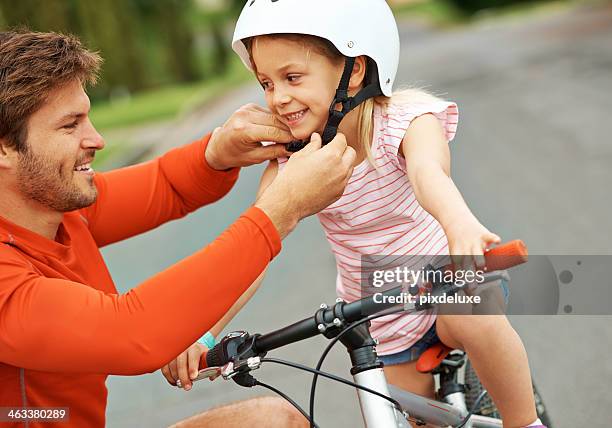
x=472, y=6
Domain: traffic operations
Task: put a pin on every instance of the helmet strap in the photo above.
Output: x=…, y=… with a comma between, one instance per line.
x=348, y=103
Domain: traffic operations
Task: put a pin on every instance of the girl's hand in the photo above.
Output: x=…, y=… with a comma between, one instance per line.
x=467, y=241
x=185, y=367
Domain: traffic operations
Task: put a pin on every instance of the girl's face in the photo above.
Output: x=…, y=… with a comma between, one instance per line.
x=298, y=82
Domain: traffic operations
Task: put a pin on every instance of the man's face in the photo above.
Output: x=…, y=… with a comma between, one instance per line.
x=55, y=170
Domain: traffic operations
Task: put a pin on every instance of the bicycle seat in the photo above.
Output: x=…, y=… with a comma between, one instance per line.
x=432, y=357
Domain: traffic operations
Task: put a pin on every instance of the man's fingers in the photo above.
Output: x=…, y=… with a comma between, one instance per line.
x=349, y=174
x=173, y=370
x=272, y=119
x=338, y=143
x=183, y=372
x=261, y=116
x=348, y=161
x=314, y=144
x=270, y=152
x=193, y=361
x=268, y=132
x=166, y=372
x=349, y=156
x=256, y=107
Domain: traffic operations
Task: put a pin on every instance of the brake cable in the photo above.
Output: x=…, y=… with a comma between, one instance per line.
x=286, y=397
x=332, y=343
x=332, y=377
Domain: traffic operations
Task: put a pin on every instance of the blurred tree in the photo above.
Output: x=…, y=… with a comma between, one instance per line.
x=111, y=26
x=216, y=21
x=59, y=14
x=144, y=42
x=236, y=7
x=472, y=6
x=171, y=20
x=221, y=47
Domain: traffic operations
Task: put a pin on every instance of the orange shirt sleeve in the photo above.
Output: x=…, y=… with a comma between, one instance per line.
x=60, y=326
x=139, y=198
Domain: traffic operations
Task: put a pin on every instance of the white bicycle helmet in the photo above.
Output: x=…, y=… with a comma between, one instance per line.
x=354, y=27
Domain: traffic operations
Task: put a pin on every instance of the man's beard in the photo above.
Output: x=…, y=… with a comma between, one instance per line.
x=45, y=182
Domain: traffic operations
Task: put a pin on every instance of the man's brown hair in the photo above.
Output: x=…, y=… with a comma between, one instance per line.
x=32, y=65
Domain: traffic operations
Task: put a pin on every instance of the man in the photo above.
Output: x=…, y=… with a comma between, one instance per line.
x=63, y=328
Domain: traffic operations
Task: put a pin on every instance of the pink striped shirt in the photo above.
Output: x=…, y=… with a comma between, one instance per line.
x=378, y=214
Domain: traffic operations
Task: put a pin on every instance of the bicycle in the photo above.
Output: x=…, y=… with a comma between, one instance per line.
x=382, y=405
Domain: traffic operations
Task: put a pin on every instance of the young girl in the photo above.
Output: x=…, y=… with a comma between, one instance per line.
x=400, y=198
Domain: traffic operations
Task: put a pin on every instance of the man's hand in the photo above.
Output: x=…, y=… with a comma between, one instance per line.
x=238, y=142
x=313, y=179
x=184, y=367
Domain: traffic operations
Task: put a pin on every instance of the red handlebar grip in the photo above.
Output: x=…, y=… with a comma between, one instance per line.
x=506, y=255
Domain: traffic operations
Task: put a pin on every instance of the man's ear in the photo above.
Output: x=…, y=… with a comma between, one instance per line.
x=359, y=71
x=7, y=155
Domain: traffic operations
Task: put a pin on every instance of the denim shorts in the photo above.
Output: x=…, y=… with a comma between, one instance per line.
x=429, y=339
x=414, y=352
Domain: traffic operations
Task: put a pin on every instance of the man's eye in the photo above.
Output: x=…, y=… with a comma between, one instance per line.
x=71, y=125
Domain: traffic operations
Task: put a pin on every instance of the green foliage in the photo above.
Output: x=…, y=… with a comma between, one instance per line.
x=441, y=12
x=144, y=43
x=165, y=102
x=472, y=6
x=453, y=12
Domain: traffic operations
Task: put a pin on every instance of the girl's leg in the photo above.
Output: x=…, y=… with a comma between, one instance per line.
x=499, y=358
x=405, y=376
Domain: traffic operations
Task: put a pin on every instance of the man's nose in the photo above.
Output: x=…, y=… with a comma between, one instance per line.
x=92, y=138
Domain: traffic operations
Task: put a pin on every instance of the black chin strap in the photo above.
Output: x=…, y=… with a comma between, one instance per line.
x=347, y=103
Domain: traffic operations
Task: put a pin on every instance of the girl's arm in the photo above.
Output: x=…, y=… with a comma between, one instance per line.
x=428, y=166
x=185, y=366
x=266, y=178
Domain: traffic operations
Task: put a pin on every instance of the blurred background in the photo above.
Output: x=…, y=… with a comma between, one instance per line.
x=532, y=158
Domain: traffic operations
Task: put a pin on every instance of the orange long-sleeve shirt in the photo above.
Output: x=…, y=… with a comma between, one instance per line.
x=64, y=328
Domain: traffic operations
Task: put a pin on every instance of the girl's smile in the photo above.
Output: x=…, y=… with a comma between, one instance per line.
x=293, y=119
x=299, y=83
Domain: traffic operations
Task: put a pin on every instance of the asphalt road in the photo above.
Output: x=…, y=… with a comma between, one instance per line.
x=532, y=158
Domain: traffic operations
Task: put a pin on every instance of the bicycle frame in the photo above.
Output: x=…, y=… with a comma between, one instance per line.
x=380, y=413
x=367, y=370
x=437, y=413
x=240, y=353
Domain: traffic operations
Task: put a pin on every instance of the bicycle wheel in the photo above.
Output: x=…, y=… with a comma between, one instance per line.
x=487, y=407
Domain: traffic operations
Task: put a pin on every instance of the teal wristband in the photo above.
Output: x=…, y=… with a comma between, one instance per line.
x=207, y=340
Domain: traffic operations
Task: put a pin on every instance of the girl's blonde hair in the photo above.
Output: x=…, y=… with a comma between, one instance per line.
x=365, y=110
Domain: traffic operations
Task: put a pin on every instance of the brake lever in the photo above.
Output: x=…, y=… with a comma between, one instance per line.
x=210, y=373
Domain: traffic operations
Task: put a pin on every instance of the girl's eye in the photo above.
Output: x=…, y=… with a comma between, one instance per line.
x=293, y=78
x=265, y=85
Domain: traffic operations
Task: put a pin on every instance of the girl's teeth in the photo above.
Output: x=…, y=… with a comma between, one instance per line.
x=295, y=116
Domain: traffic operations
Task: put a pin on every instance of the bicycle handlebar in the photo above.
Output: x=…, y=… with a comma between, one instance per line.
x=501, y=257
